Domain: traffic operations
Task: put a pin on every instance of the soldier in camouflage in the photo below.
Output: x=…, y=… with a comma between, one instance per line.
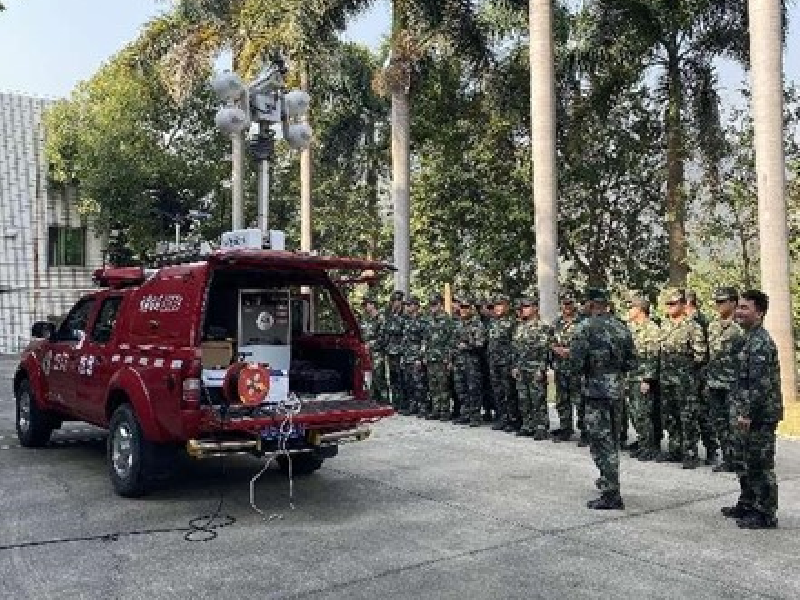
x=724, y=335
x=682, y=352
x=567, y=393
x=602, y=352
x=642, y=379
x=437, y=348
x=531, y=344
x=498, y=334
x=757, y=407
x=371, y=325
x=468, y=340
x=491, y=410
x=707, y=433
x=392, y=344
x=414, y=386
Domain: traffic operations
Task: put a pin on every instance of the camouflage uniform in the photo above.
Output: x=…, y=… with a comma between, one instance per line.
x=468, y=339
x=437, y=349
x=602, y=352
x=723, y=338
x=756, y=395
x=531, y=349
x=707, y=433
x=371, y=334
x=414, y=387
x=646, y=342
x=499, y=351
x=682, y=349
x=392, y=342
x=568, y=392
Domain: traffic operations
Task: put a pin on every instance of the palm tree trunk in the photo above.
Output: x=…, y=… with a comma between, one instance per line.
x=767, y=72
x=401, y=177
x=543, y=144
x=676, y=200
x=305, y=181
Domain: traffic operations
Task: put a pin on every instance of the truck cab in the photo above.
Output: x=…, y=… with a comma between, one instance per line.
x=242, y=351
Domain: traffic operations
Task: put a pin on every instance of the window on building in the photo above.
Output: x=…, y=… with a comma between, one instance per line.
x=66, y=247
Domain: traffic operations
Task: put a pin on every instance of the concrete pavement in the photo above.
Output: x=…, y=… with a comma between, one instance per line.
x=422, y=510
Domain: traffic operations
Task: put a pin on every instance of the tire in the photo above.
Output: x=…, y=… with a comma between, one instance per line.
x=302, y=464
x=129, y=454
x=34, y=425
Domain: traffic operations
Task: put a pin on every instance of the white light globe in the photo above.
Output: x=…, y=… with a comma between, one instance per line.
x=227, y=85
x=231, y=120
x=298, y=135
x=296, y=103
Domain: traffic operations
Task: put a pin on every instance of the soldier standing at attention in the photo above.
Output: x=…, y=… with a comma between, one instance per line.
x=485, y=310
x=455, y=307
x=371, y=326
x=757, y=407
x=602, y=352
x=683, y=352
x=707, y=433
x=392, y=343
x=567, y=392
x=468, y=340
x=643, y=378
x=437, y=349
x=724, y=336
x=413, y=366
x=531, y=349
x=498, y=348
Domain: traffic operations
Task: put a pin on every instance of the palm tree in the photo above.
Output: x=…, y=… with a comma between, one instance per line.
x=767, y=71
x=678, y=42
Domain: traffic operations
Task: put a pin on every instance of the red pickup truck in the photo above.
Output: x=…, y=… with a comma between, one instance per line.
x=151, y=357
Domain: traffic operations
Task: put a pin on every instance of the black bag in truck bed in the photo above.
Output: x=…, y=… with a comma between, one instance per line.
x=316, y=381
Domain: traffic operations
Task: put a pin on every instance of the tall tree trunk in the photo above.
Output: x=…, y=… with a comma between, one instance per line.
x=767, y=72
x=543, y=144
x=305, y=180
x=401, y=176
x=676, y=199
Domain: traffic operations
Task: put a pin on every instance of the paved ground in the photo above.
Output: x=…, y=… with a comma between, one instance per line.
x=422, y=510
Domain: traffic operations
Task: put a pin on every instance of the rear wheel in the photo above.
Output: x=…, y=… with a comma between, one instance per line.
x=34, y=425
x=302, y=464
x=129, y=454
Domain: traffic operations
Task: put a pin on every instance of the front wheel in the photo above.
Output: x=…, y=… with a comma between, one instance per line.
x=34, y=425
x=128, y=454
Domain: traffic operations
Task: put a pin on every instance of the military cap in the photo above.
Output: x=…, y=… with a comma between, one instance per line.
x=465, y=301
x=397, y=295
x=529, y=300
x=413, y=300
x=674, y=295
x=723, y=294
x=597, y=294
x=500, y=298
x=568, y=296
x=640, y=301
x=487, y=302
x=436, y=299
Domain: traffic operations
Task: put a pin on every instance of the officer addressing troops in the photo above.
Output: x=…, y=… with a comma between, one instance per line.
x=643, y=378
x=468, y=340
x=724, y=335
x=414, y=389
x=437, y=349
x=682, y=352
x=601, y=352
x=499, y=332
x=757, y=407
x=531, y=349
x=392, y=344
x=567, y=392
x=371, y=326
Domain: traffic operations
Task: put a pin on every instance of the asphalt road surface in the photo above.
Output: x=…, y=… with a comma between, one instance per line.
x=422, y=510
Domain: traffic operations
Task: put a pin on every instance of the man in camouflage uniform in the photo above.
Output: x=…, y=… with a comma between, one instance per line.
x=757, y=407
x=682, y=350
x=567, y=393
x=602, y=352
x=724, y=336
x=414, y=387
x=392, y=344
x=468, y=340
x=707, y=433
x=371, y=325
x=643, y=378
x=491, y=409
x=531, y=350
x=437, y=349
x=498, y=348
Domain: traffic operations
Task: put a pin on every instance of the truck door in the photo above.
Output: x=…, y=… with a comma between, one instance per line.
x=66, y=347
x=96, y=364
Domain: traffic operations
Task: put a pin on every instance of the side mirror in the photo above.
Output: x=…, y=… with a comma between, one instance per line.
x=42, y=329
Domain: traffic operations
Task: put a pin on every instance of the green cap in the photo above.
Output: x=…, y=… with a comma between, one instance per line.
x=597, y=294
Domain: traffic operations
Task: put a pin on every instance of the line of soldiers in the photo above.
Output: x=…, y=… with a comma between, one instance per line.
x=683, y=376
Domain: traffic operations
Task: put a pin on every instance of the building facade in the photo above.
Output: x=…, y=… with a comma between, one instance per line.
x=47, y=251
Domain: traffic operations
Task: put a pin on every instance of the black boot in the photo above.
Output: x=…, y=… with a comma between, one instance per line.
x=607, y=502
x=757, y=520
x=737, y=511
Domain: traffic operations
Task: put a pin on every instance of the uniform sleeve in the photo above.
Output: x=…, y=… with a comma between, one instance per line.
x=760, y=396
x=699, y=345
x=579, y=351
x=479, y=335
x=651, y=351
